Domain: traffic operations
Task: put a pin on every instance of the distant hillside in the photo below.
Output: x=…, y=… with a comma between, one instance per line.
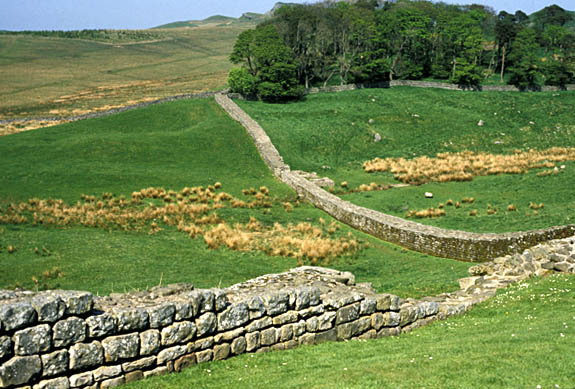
x=178, y=25
x=248, y=17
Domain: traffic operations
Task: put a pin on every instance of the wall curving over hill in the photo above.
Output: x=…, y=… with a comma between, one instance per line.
x=461, y=245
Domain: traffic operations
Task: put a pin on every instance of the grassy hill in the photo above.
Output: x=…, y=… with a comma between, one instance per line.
x=333, y=134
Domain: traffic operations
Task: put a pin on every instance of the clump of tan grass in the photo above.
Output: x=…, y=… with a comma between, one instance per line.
x=463, y=166
x=426, y=213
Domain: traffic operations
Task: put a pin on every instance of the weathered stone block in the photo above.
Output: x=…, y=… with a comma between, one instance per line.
x=77, y=302
x=55, y=363
x=161, y=315
x=140, y=364
x=149, y=342
x=391, y=319
x=185, y=310
x=33, y=340
x=158, y=371
x=408, y=315
x=268, y=337
x=260, y=324
x=48, y=307
x=5, y=347
x=204, y=356
x=81, y=380
x=286, y=333
x=278, y=347
x=312, y=311
x=220, y=299
x=377, y=320
x=326, y=336
x=284, y=318
x=86, y=355
x=184, y=362
x=206, y=324
x=121, y=347
x=112, y=383
x=171, y=354
x=20, y=370
x=105, y=372
x=253, y=341
x=265, y=349
x=239, y=345
x=371, y=334
x=131, y=319
x=307, y=339
x=299, y=328
x=201, y=344
x=234, y=316
x=347, y=313
x=101, y=325
x=387, y=302
x=180, y=332
x=205, y=299
x=134, y=376
x=229, y=336
x=256, y=307
x=368, y=306
x=563, y=267
x=221, y=351
x=69, y=331
x=55, y=383
x=290, y=344
x=276, y=303
x=306, y=296
x=16, y=315
x=395, y=331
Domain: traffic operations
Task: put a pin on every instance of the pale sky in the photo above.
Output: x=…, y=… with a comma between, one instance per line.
x=140, y=14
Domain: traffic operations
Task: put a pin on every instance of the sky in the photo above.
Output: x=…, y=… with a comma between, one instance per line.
x=140, y=14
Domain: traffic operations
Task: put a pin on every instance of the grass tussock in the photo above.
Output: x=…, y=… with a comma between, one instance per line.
x=191, y=211
x=426, y=213
x=463, y=166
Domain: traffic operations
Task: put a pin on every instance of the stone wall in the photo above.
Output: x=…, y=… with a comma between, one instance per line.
x=431, y=240
x=431, y=84
x=72, y=339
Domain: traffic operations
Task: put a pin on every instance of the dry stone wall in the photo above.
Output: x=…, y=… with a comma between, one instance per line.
x=431, y=240
x=72, y=339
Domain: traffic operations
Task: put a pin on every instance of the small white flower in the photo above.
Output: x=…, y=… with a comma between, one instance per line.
x=345, y=368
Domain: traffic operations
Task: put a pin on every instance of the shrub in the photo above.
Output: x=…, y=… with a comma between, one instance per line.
x=241, y=81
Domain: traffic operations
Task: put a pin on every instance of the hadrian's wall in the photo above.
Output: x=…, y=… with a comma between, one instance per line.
x=71, y=339
x=431, y=240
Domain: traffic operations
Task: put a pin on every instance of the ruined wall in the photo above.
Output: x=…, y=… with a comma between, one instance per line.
x=431, y=240
x=71, y=339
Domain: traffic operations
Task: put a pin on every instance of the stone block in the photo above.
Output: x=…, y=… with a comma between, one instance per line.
x=86, y=355
x=48, y=307
x=180, y=332
x=221, y=351
x=81, y=380
x=371, y=334
x=101, y=325
x=290, y=344
x=220, y=299
x=204, y=356
x=69, y=331
x=20, y=370
x=268, y=337
x=139, y=364
x=325, y=321
x=185, y=310
x=55, y=363
x=201, y=344
x=299, y=328
x=206, y=324
x=112, y=383
x=16, y=315
x=134, y=376
x=260, y=324
x=286, y=333
x=284, y=318
x=205, y=299
x=229, y=336
x=158, y=371
x=256, y=307
x=347, y=313
x=171, y=354
x=184, y=362
x=387, y=302
x=395, y=331
x=306, y=296
x=239, y=346
x=77, y=302
x=5, y=347
x=121, y=347
x=391, y=319
x=276, y=303
x=133, y=319
x=377, y=320
x=234, y=316
x=312, y=311
x=161, y=315
x=368, y=306
x=326, y=336
x=33, y=340
x=278, y=347
x=149, y=342
x=262, y=350
x=563, y=267
x=104, y=372
x=307, y=339
x=253, y=341
x=55, y=383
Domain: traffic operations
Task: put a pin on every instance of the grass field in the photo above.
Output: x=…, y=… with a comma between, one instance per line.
x=173, y=145
x=46, y=77
x=520, y=339
x=333, y=134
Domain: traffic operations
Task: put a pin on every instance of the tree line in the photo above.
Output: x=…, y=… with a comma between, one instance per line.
x=101, y=35
x=338, y=42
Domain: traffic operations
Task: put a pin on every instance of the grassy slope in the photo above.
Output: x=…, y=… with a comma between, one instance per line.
x=331, y=134
x=512, y=341
x=172, y=145
x=36, y=71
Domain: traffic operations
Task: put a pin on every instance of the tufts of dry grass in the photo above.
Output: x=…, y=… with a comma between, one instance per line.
x=426, y=213
x=191, y=211
x=465, y=165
